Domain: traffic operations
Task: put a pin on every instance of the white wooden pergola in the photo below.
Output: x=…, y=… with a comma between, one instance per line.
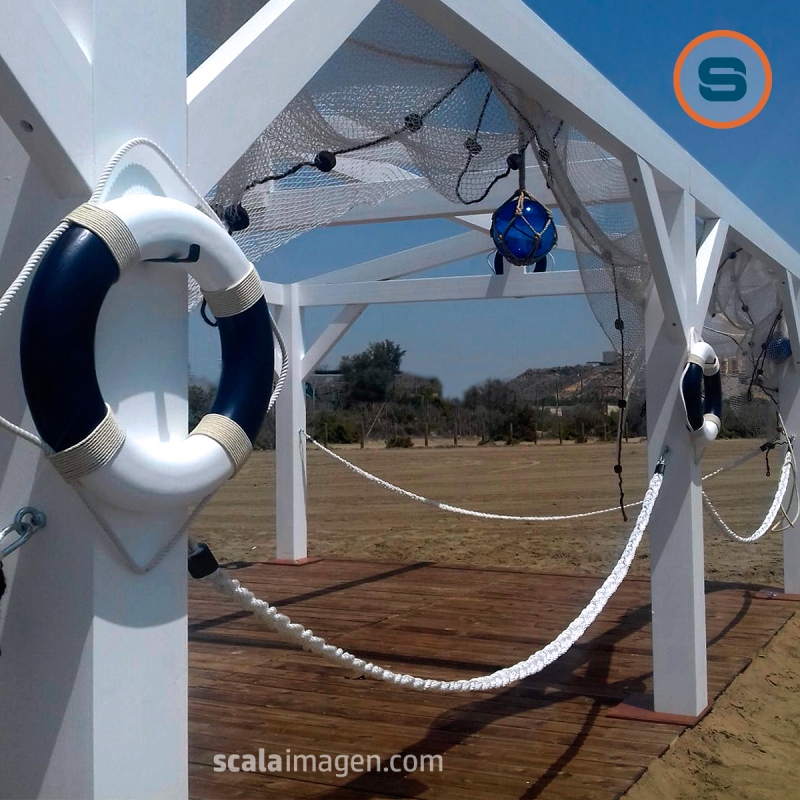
x=93, y=670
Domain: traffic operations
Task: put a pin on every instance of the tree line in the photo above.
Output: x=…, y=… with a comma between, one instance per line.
x=369, y=397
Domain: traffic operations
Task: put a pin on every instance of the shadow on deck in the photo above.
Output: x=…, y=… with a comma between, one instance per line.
x=549, y=736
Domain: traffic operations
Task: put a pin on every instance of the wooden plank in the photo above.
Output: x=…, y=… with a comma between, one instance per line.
x=553, y=731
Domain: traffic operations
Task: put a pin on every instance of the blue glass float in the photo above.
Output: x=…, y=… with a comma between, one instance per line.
x=523, y=229
x=779, y=349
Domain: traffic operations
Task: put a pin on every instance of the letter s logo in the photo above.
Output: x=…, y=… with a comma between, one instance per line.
x=733, y=79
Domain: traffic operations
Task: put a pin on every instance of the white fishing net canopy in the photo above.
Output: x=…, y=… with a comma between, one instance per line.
x=400, y=108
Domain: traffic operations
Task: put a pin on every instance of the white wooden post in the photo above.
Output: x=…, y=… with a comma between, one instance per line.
x=94, y=659
x=676, y=528
x=675, y=534
x=789, y=396
x=290, y=446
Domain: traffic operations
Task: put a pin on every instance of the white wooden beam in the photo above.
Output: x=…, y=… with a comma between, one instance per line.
x=254, y=75
x=790, y=295
x=75, y=733
x=46, y=93
x=500, y=33
x=677, y=582
x=677, y=585
x=474, y=287
x=330, y=337
x=709, y=255
x=273, y=292
x=407, y=262
x=667, y=274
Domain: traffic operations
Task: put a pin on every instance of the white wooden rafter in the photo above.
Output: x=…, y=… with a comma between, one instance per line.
x=709, y=256
x=416, y=259
x=513, y=284
x=292, y=37
x=656, y=236
x=330, y=337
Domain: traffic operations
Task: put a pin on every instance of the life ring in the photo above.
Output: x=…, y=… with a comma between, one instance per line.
x=701, y=391
x=58, y=363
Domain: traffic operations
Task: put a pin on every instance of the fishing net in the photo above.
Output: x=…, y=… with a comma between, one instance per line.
x=400, y=108
x=746, y=327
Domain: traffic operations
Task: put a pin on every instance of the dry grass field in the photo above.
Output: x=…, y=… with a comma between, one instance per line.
x=351, y=517
x=747, y=747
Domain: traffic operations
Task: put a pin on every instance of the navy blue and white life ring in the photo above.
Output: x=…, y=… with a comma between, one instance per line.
x=58, y=362
x=701, y=391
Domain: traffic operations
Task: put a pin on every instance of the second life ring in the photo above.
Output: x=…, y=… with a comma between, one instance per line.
x=701, y=392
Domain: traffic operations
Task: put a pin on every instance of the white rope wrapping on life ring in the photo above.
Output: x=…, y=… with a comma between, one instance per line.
x=110, y=228
x=235, y=299
x=95, y=451
x=536, y=662
x=774, y=509
x=228, y=434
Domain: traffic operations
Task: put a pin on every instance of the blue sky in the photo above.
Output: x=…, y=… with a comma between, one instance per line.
x=635, y=45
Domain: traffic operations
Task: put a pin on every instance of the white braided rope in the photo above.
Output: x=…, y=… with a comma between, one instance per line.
x=457, y=509
x=508, y=517
x=777, y=502
x=293, y=632
x=284, y=370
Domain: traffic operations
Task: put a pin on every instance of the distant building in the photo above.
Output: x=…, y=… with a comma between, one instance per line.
x=733, y=366
x=610, y=356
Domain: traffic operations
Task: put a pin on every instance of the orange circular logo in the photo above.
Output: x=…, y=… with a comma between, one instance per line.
x=722, y=79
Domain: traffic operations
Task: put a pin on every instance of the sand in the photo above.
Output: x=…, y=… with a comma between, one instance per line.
x=747, y=746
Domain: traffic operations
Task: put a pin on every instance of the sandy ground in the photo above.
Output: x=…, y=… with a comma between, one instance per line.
x=746, y=748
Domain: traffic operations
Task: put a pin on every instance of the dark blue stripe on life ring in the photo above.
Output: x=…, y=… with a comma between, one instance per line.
x=692, y=389
x=58, y=334
x=712, y=402
x=248, y=360
x=702, y=394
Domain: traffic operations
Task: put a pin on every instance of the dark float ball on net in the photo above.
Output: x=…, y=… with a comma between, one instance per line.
x=523, y=229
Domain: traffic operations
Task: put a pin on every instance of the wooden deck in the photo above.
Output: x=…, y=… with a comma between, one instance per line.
x=550, y=736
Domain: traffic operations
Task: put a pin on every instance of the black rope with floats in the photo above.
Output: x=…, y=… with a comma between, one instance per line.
x=757, y=375
x=325, y=160
x=622, y=402
x=237, y=219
